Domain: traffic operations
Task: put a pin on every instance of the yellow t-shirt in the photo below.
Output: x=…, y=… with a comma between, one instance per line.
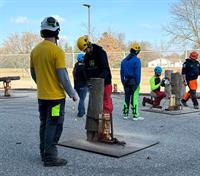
x=46, y=57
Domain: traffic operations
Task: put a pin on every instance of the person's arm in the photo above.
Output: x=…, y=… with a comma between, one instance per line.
x=138, y=72
x=153, y=84
x=103, y=60
x=83, y=71
x=62, y=74
x=184, y=79
x=122, y=73
x=74, y=75
x=199, y=69
x=65, y=82
x=33, y=75
x=32, y=70
x=184, y=70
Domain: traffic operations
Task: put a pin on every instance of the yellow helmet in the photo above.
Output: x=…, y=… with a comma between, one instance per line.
x=83, y=42
x=136, y=47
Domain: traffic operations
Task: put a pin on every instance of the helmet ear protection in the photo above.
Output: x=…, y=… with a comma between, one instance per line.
x=52, y=22
x=49, y=28
x=89, y=44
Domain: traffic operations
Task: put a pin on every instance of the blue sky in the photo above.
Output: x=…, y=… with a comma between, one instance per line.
x=139, y=20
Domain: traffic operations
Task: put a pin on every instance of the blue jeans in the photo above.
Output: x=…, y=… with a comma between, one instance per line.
x=51, y=126
x=82, y=92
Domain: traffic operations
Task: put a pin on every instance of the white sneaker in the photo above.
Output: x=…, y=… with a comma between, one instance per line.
x=135, y=118
x=125, y=117
x=138, y=118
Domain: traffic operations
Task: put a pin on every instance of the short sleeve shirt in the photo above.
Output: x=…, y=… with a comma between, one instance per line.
x=46, y=57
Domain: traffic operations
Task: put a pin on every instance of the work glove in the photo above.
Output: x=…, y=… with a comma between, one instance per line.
x=167, y=82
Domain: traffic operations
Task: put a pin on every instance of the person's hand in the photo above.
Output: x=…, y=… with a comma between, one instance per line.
x=185, y=82
x=75, y=98
x=167, y=82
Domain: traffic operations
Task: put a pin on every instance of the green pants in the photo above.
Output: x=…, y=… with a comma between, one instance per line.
x=131, y=97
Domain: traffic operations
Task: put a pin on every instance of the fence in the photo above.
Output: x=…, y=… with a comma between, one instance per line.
x=163, y=58
x=18, y=65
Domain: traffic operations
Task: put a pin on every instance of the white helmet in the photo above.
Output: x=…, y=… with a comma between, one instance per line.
x=50, y=23
x=49, y=28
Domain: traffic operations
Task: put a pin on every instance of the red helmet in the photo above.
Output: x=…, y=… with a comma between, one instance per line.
x=194, y=55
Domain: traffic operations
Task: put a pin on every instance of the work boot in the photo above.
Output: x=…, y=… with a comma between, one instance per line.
x=183, y=103
x=80, y=115
x=137, y=118
x=42, y=156
x=144, y=101
x=55, y=162
x=196, y=107
x=157, y=106
x=106, y=127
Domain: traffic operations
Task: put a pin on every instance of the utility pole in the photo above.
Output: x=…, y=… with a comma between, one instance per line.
x=88, y=6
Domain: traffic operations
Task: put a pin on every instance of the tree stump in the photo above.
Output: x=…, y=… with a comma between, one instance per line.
x=115, y=88
x=176, y=88
x=95, y=108
x=168, y=87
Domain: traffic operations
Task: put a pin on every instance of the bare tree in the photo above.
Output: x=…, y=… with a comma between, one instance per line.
x=15, y=52
x=185, y=24
x=20, y=43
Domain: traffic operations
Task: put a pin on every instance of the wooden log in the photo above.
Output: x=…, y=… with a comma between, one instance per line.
x=95, y=108
x=115, y=88
x=176, y=87
x=168, y=87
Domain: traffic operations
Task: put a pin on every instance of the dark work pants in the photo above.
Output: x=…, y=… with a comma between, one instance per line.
x=192, y=84
x=51, y=126
x=131, y=97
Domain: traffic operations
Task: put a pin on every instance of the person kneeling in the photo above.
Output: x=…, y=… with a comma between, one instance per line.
x=155, y=84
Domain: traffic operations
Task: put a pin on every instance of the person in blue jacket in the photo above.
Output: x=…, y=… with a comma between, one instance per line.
x=130, y=73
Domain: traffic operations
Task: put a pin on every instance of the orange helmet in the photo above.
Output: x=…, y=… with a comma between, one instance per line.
x=194, y=55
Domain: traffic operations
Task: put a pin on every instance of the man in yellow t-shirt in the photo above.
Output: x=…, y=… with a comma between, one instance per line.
x=48, y=70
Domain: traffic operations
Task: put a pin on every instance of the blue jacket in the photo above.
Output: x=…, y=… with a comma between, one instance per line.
x=131, y=68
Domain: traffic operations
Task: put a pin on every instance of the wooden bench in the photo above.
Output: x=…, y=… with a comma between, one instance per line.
x=6, y=83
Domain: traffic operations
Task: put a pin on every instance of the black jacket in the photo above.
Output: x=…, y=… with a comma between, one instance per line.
x=80, y=77
x=96, y=64
x=191, y=68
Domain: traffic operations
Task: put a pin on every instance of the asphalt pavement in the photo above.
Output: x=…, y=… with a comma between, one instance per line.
x=177, y=154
